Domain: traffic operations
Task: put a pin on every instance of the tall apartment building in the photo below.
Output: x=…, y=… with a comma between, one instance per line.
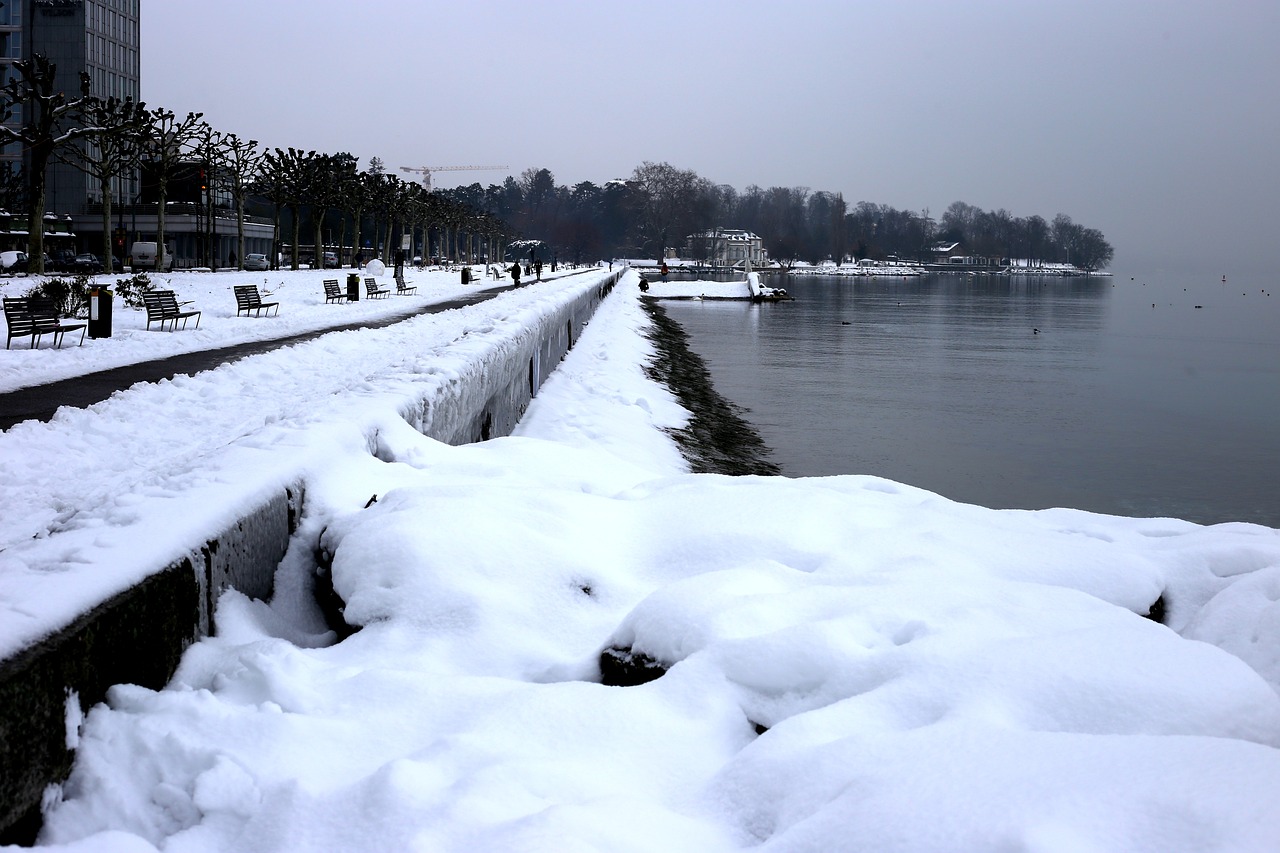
x=98, y=37
x=102, y=38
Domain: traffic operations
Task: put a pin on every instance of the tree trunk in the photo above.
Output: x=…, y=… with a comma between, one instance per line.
x=317, y=228
x=35, y=210
x=104, y=187
x=355, y=239
x=239, y=232
x=161, y=248
x=274, y=261
x=297, y=226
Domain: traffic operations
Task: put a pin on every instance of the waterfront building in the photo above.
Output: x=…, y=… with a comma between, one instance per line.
x=726, y=247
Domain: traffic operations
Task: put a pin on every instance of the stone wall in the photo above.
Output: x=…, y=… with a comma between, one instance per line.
x=139, y=636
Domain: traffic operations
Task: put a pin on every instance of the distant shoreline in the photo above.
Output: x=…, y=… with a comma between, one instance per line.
x=881, y=269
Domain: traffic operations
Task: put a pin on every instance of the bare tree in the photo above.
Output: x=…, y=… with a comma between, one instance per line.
x=240, y=159
x=166, y=140
x=666, y=199
x=49, y=121
x=291, y=171
x=110, y=151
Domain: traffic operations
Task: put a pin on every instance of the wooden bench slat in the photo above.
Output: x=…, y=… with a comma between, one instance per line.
x=248, y=299
x=162, y=307
x=332, y=292
x=36, y=317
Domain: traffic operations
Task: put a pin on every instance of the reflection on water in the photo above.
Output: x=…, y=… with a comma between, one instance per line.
x=1102, y=393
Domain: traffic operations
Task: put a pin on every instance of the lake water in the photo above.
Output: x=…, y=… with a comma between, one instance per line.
x=1109, y=394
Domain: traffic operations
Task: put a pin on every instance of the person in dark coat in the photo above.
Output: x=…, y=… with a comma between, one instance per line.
x=537, y=268
x=399, y=263
x=515, y=273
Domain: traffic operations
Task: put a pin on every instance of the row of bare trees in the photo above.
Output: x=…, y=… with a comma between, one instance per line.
x=111, y=138
x=307, y=181
x=658, y=206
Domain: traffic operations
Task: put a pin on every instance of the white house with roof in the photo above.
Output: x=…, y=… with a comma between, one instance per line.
x=726, y=247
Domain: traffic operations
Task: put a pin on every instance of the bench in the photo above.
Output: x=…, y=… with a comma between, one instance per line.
x=248, y=299
x=163, y=307
x=373, y=291
x=403, y=288
x=332, y=292
x=35, y=317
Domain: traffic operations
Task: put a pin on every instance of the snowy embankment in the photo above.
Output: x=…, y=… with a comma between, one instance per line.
x=125, y=487
x=302, y=308
x=851, y=663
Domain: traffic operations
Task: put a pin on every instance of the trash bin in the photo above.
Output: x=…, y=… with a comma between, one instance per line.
x=466, y=275
x=99, y=313
x=353, y=287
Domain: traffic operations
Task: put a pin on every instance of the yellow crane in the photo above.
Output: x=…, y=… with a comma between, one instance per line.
x=426, y=171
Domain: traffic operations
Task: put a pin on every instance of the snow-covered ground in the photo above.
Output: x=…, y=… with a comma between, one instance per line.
x=302, y=309
x=855, y=664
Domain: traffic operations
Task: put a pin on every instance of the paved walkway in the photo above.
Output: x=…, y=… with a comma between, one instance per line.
x=40, y=402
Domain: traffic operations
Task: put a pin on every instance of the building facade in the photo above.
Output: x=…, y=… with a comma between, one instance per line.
x=102, y=38
x=726, y=247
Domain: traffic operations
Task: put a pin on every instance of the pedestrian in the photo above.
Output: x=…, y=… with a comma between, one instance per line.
x=664, y=270
x=399, y=263
x=537, y=268
x=359, y=260
x=515, y=273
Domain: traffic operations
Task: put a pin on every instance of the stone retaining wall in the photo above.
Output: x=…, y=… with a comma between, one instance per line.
x=139, y=636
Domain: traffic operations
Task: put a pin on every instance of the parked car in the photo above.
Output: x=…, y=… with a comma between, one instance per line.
x=331, y=261
x=60, y=260
x=86, y=263
x=255, y=262
x=13, y=262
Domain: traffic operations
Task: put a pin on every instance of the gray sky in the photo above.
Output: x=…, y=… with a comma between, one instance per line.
x=1156, y=122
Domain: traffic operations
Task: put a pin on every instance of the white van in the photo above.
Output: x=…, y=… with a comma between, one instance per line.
x=144, y=256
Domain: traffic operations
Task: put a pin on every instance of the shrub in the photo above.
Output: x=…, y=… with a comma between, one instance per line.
x=70, y=296
x=131, y=289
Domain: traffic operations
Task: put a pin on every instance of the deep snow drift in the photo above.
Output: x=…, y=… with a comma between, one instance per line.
x=854, y=664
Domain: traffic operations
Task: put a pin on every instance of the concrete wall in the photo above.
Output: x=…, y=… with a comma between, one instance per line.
x=139, y=636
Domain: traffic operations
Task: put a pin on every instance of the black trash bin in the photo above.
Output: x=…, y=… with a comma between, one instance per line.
x=353, y=287
x=466, y=275
x=100, y=313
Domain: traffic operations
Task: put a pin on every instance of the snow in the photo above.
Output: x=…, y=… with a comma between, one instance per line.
x=854, y=664
x=302, y=309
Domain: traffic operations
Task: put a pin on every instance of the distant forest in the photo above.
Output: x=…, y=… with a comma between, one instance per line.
x=660, y=206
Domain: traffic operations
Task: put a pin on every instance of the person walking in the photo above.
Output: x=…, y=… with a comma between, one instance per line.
x=537, y=268
x=515, y=273
x=399, y=263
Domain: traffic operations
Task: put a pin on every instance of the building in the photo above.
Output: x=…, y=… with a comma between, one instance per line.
x=102, y=39
x=726, y=247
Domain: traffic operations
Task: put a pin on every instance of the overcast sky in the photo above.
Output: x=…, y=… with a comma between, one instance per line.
x=1156, y=121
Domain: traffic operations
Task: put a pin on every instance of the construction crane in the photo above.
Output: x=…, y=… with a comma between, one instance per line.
x=427, y=170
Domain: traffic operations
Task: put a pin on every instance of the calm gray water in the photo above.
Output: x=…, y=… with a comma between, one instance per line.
x=941, y=382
